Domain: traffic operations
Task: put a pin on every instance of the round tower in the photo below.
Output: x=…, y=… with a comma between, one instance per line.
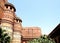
x=17, y=24
x=10, y=22
x=17, y=30
x=8, y=18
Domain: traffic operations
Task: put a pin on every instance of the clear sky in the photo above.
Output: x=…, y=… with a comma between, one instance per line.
x=41, y=13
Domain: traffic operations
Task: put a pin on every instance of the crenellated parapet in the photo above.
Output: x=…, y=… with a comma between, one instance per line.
x=17, y=24
x=9, y=12
x=9, y=6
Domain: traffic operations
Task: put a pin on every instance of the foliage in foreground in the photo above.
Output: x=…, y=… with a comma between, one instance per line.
x=4, y=38
x=42, y=39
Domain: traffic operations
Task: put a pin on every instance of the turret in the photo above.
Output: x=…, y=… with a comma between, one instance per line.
x=9, y=21
x=17, y=30
x=17, y=24
x=9, y=12
x=8, y=18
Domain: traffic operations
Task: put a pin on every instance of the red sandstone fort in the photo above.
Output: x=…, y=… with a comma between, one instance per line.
x=13, y=25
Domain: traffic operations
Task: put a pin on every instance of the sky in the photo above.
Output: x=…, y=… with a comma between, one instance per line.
x=38, y=13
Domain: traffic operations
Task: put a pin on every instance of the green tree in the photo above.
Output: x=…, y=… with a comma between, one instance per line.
x=4, y=38
x=42, y=39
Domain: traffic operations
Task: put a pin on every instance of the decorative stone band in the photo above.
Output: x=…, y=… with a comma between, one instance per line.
x=8, y=11
x=6, y=21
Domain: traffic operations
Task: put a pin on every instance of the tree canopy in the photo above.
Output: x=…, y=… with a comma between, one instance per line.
x=4, y=38
x=42, y=39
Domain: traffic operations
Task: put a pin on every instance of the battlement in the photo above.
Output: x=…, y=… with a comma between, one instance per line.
x=10, y=6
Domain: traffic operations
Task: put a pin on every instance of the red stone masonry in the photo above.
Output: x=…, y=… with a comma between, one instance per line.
x=31, y=32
